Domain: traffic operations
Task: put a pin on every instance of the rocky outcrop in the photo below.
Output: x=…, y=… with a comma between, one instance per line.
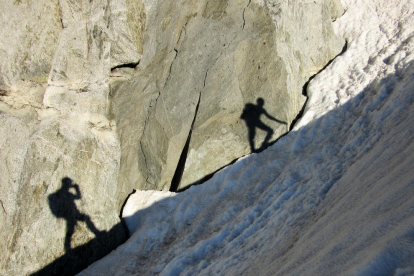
x=100, y=97
x=205, y=65
x=55, y=64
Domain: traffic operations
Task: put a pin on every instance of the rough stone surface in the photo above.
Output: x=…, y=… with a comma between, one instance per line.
x=203, y=62
x=74, y=104
x=55, y=68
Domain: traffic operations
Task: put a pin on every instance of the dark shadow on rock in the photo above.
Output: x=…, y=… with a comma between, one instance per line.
x=82, y=256
x=62, y=205
x=251, y=115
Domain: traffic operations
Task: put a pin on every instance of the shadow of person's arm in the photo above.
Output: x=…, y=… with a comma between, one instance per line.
x=273, y=118
x=78, y=193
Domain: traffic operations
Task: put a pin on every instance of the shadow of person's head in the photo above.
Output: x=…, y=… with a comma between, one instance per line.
x=66, y=183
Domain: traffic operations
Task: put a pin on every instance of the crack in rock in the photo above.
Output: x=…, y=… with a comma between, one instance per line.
x=175, y=183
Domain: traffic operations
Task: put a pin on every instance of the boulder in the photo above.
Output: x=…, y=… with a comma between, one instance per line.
x=184, y=114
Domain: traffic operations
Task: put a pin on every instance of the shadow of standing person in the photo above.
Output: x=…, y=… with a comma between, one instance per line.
x=251, y=115
x=62, y=204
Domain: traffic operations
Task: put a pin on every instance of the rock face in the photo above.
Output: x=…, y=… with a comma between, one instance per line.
x=55, y=63
x=216, y=80
x=205, y=65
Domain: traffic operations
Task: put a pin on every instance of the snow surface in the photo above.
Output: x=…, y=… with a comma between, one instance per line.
x=333, y=197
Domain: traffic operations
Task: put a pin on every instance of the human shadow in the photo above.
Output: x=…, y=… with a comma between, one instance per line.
x=62, y=205
x=251, y=115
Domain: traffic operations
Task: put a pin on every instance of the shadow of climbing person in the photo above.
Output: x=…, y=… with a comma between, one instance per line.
x=62, y=204
x=251, y=115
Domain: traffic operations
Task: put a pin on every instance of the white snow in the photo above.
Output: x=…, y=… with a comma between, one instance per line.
x=333, y=197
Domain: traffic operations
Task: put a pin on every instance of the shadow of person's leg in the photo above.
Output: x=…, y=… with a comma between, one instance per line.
x=70, y=229
x=269, y=135
x=252, y=133
x=90, y=224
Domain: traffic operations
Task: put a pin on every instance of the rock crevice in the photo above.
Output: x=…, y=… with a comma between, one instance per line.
x=175, y=183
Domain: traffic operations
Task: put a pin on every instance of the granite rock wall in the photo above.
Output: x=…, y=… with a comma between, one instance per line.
x=205, y=64
x=98, y=98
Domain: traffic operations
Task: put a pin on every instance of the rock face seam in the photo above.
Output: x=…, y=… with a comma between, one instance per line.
x=2, y=206
x=244, y=10
x=171, y=66
x=305, y=88
x=141, y=142
x=175, y=183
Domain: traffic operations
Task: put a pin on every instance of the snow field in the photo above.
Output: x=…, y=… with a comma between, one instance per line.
x=333, y=197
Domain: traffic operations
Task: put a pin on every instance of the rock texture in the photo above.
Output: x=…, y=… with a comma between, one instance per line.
x=55, y=64
x=75, y=105
x=203, y=63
